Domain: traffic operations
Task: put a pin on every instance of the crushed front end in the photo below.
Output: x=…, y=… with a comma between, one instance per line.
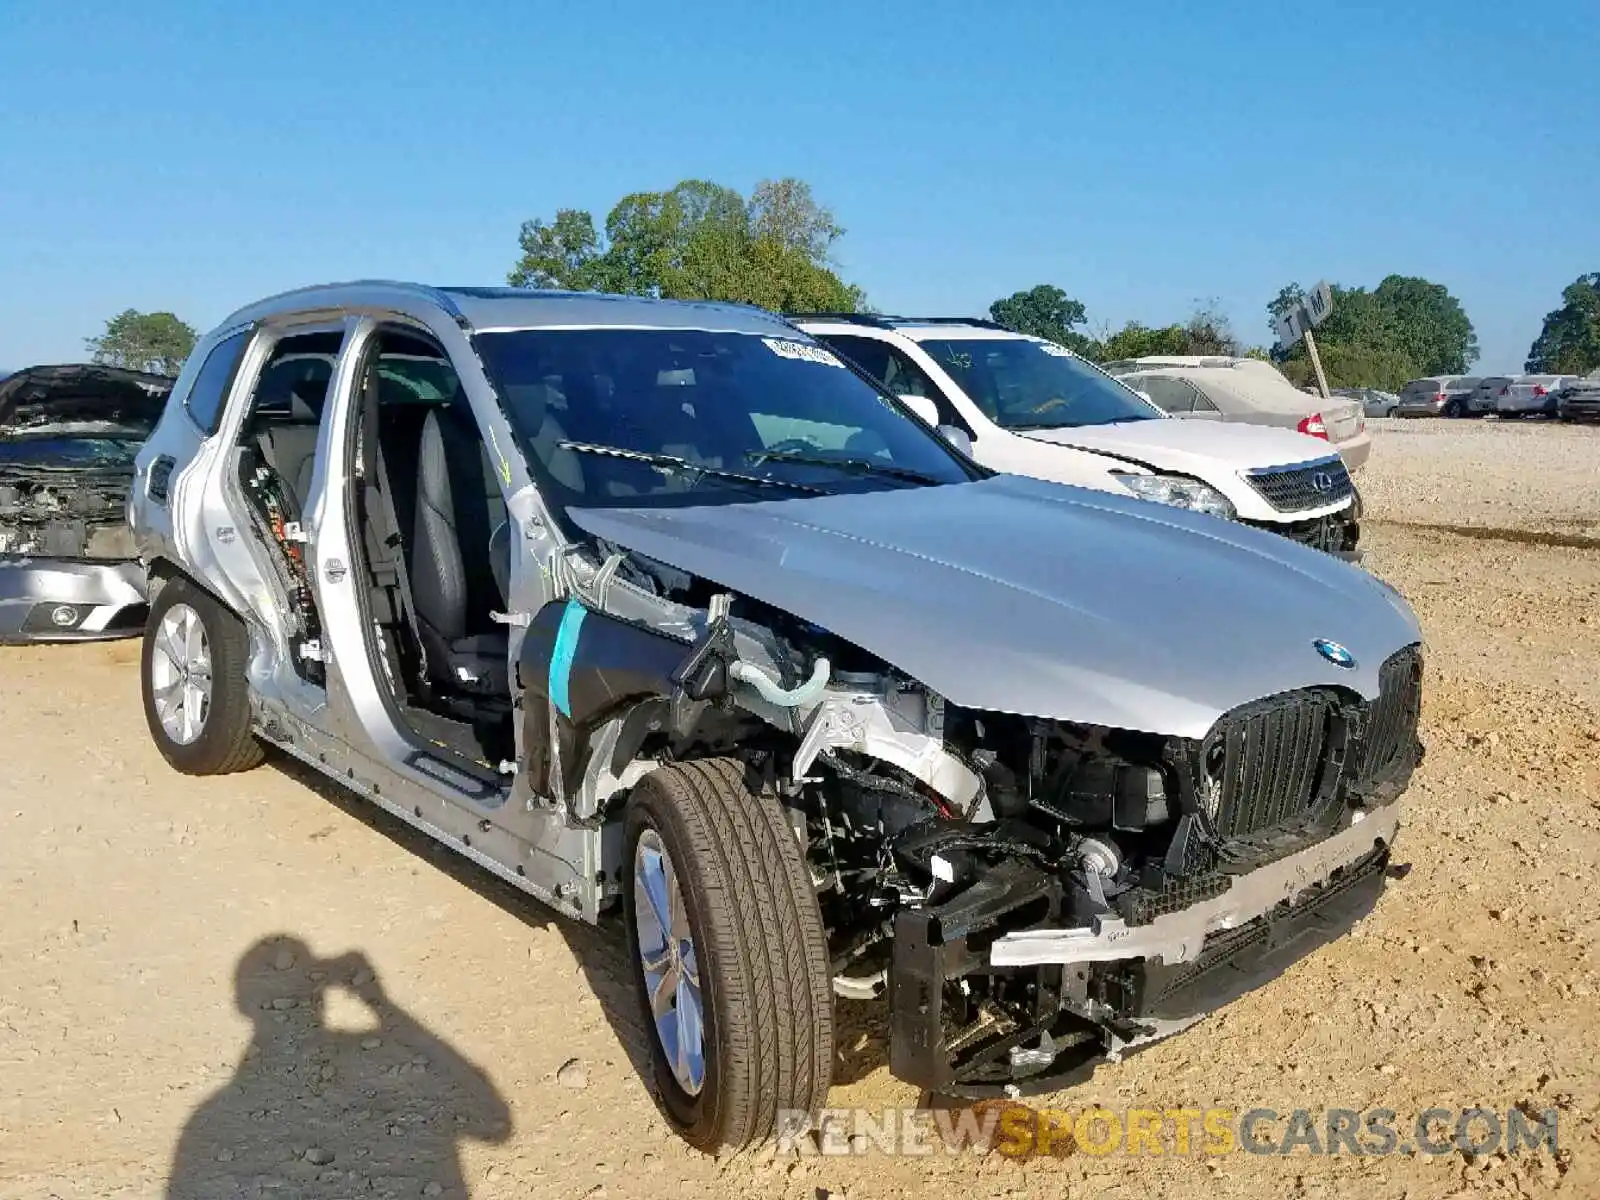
x=1099, y=889
x=68, y=437
x=67, y=564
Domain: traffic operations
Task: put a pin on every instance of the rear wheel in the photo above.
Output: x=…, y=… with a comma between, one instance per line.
x=192, y=676
x=1455, y=409
x=729, y=953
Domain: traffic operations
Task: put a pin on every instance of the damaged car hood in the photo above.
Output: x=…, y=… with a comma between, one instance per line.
x=1018, y=596
x=79, y=399
x=1191, y=446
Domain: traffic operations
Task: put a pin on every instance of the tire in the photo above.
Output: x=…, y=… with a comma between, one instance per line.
x=1392, y=413
x=215, y=737
x=1454, y=409
x=758, y=952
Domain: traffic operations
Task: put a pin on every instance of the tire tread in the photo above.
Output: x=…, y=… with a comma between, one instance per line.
x=760, y=918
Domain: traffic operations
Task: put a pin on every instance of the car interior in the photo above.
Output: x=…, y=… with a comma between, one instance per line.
x=431, y=544
x=434, y=548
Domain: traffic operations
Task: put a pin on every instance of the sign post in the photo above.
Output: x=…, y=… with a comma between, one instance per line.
x=1301, y=320
x=1316, y=364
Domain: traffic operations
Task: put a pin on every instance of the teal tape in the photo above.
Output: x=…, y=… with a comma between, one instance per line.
x=561, y=657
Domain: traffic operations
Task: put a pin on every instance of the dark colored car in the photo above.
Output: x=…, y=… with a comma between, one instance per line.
x=1579, y=400
x=68, y=436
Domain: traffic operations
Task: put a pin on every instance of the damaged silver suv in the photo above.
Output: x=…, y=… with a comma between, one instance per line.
x=661, y=607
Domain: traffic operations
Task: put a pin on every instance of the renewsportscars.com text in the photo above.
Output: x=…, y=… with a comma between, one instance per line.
x=1016, y=1130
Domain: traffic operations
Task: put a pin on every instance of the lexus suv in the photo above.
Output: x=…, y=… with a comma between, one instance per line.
x=1030, y=407
x=659, y=610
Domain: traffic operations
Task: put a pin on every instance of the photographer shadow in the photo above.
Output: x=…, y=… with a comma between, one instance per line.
x=372, y=1106
x=600, y=951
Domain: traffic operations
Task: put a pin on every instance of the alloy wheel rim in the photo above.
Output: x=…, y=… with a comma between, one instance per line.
x=180, y=674
x=671, y=966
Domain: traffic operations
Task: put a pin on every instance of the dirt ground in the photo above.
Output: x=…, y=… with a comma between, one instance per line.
x=254, y=986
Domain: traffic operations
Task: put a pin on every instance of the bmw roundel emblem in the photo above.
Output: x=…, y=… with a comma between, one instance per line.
x=1334, y=653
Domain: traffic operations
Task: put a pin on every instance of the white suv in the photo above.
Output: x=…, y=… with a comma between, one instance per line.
x=1030, y=407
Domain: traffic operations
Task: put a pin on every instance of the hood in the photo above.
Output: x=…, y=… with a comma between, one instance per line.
x=1191, y=447
x=1014, y=595
x=80, y=398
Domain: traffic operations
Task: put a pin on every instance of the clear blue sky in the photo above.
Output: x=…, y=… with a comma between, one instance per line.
x=162, y=156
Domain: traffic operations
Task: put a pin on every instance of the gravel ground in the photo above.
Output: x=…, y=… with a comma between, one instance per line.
x=1522, y=475
x=256, y=982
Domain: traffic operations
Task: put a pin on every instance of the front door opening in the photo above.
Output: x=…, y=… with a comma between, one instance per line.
x=431, y=544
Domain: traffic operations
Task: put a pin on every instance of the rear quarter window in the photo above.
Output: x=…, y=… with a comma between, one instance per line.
x=210, y=390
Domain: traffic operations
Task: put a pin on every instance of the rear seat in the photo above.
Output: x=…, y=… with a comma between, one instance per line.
x=290, y=447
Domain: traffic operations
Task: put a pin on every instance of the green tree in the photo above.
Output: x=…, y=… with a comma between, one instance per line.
x=1429, y=324
x=157, y=341
x=1569, y=342
x=1209, y=331
x=1134, y=340
x=1290, y=297
x=697, y=241
x=1045, y=311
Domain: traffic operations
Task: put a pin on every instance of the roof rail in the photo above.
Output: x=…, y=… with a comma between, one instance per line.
x=890, y=321
x=843, y=317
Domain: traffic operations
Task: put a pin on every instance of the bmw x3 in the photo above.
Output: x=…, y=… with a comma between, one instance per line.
x=665, y=615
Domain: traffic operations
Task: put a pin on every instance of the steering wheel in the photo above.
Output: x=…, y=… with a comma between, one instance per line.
x=1053, y=402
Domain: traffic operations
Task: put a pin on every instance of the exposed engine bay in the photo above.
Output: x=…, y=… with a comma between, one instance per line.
x=68, y=436
x=64, y=514
x=941, y=839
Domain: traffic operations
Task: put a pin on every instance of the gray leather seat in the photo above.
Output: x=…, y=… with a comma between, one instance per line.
x=290, y=448
x=454, y=586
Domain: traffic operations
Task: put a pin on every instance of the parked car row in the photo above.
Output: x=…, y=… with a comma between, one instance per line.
x=1479, y=396
x=667, y=610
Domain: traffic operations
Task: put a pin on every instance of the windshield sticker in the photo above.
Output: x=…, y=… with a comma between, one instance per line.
x=802, y=352
x=1057, y=351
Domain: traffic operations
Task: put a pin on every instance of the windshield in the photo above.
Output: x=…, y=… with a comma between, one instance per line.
x=49, y=450
x=1020, y=383
x=656, y=416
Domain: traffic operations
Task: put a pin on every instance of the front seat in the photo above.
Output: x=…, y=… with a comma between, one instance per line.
x=453, y=585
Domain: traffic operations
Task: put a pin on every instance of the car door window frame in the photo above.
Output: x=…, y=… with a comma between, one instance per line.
x=237, y=345
x=1203, y=403
x=1142, y=384
x=948, y=414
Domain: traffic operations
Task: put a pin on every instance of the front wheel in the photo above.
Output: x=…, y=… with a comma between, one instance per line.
x=730, y=957
x=192, y=676
x=1454, y=409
